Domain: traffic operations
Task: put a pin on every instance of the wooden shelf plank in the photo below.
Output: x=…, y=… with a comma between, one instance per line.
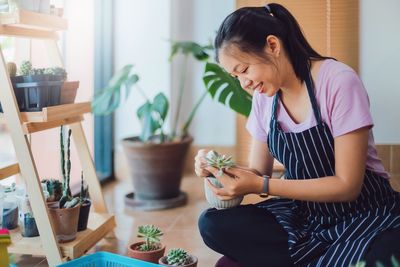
x=33, y=127
x=98, y=227
x=33, y=20
x=54, y=113
x=8, y=171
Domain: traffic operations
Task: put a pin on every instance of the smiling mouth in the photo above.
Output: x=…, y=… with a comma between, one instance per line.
x=259, y=88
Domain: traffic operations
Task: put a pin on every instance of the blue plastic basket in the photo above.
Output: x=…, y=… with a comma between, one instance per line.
x=107, y=259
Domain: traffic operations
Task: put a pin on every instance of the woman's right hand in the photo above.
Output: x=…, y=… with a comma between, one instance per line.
x=200, y=163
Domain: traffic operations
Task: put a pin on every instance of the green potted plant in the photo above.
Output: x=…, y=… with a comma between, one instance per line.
x=54, y=188
x=151, y=154
x=65, y=213
x=220, y=162
x=85, y=206
x=150, y=249
x=178, y=257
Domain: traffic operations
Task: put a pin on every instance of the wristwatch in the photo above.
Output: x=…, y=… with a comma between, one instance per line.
x=265, y=190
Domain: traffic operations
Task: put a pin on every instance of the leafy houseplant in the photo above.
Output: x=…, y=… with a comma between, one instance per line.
x=151, y=154
x=220, y=162
x=65, y=213
x=150, y=249
x=178, y=257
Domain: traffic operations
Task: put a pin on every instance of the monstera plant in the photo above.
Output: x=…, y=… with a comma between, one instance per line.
x=151, y=154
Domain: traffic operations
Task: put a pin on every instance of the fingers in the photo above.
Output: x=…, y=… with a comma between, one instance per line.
x=200, y=163
x=221, y=193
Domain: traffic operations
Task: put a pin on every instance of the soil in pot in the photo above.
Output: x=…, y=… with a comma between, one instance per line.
x=65, y=222
x=84, y=215
x=149, y=256
x=193, y=262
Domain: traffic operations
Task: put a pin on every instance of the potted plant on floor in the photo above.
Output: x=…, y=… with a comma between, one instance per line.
x=65, y=213
x=150, y=249
x=85, y=206
x=156, y=158
x=220, y=162
x=178, y=257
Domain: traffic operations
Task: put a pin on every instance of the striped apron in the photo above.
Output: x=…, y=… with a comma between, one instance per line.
x=323, y=233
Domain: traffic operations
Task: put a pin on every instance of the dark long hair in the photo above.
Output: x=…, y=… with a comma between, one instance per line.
x=247, y=28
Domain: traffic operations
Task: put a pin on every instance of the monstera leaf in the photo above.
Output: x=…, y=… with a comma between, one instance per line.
x=186, y=48
x=109, y=99
x=226, y=89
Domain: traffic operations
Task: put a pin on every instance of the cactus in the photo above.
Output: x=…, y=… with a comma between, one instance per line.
x=178, y=257
x=151, y=235
x=219, y=161
x=55, y=189
x=65, y=167
x=83, y=196
x=12, y=69
x=71, y=203
x=26, y=68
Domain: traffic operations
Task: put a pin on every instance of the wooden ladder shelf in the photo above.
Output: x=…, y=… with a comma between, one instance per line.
x=20, y=124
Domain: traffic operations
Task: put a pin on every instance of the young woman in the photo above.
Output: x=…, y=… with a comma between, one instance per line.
x=335, y=206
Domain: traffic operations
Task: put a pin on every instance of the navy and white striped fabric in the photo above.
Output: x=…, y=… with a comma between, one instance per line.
x=326, y=234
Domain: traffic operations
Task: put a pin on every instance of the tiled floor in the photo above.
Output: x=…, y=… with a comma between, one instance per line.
x=179, y=224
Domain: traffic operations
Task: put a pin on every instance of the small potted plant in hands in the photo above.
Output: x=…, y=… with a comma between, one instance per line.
x=178, y=257
x=221, y=162
x=151, y=249
x=65, y=213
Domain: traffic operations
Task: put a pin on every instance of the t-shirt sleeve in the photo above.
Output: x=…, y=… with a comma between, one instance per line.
x=349, y=104
x=256, y=122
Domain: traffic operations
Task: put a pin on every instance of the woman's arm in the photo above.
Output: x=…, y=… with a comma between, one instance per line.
x=260, y=160
x=350, y=159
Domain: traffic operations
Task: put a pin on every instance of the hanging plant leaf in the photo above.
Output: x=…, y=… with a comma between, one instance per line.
x=227, y=89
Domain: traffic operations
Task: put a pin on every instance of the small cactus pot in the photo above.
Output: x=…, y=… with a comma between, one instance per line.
x=193, y=262
x=216, y=202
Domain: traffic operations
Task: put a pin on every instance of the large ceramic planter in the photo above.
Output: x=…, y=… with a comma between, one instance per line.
x=193, y=262
x=156, y=169
x=65, y=222
x=84, y=215
x=216, y=202
x=149, y=256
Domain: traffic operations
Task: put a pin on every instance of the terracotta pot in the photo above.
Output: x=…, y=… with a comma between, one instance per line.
x=84, y=215
x=163, y=261
x=149, y=256
x=156, y=169
x=216, y=202
x=65, y=222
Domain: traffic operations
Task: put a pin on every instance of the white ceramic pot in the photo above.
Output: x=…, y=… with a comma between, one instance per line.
x=216, y=202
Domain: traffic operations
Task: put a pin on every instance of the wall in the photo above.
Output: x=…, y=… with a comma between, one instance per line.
x=379, y=59
x=142, y=30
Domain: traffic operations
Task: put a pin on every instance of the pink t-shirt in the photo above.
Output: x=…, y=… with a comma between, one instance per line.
x=344, y=106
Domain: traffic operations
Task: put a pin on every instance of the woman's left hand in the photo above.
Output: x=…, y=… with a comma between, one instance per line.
x=235, y=182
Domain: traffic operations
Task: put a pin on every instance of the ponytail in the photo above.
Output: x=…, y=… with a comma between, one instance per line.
x=247, y=28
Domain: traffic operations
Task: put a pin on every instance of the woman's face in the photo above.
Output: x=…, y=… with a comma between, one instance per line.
x=252, y=72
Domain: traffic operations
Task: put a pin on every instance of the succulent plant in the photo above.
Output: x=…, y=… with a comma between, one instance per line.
x=178, y=257
x=219, y=161
x=151, y=235
x=26, y=68
x=55, y=189
x=12, y=69
x=37, y=71
x=56, y=71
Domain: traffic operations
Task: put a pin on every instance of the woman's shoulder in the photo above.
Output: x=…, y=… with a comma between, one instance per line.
x=332, y=68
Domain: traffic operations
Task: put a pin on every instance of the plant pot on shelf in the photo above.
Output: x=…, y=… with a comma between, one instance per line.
x=149, y=256
x=216, y=202
x=84, y=215
x=156, y=171
x=193, y=262
x=68, y=92
x=65, y=222
x=28, y=227
x=10, y=215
